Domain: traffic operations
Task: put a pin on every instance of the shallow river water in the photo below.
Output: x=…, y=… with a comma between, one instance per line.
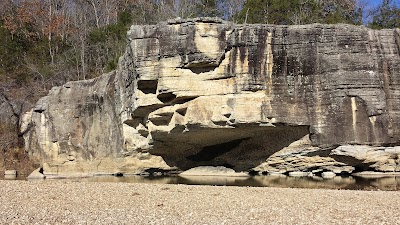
x=391, y=183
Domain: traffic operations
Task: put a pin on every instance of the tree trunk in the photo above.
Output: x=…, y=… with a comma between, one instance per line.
x=96, y=14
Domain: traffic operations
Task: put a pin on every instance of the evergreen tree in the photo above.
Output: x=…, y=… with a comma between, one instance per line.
x=208, y=8
x=386, y=15
x=300, y=12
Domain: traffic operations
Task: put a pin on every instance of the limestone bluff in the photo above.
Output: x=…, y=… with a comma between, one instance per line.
x=202, y=91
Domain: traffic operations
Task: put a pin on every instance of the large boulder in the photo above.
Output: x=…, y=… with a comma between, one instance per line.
x=212, y=171
x=37, y=175
x=204, y=92
x=385, y=159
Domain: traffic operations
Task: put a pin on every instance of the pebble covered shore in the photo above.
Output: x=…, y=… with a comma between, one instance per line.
x=68, y=202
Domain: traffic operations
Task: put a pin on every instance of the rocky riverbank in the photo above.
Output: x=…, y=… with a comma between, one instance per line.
x=65, y=202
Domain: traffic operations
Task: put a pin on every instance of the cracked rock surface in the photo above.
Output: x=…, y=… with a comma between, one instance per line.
x=204, y=92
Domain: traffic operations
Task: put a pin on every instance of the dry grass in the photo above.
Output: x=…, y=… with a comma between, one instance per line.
x=66, y=202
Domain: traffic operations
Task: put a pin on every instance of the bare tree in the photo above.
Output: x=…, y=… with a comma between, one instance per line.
x=81, y=27
x=303, y=13
x=231, y=8
x=367, y=7
x=5, y=7
x=18, y=105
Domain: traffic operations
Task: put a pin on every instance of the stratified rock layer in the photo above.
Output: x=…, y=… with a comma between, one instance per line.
x=205, y=92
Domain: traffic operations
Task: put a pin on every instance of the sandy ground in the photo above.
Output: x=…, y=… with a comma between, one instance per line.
x=67, y=202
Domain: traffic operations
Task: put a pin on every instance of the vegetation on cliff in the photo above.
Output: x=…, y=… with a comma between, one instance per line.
x=293, y=12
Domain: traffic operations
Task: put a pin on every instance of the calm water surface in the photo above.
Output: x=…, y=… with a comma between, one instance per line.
x=347, y=183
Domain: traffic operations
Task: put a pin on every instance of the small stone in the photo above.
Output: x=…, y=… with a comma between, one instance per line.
x=10, y=173
x=277, y=174
x=298, y=174
x=317, y=171
x=157, y=174
x=328, y=175
x=144, y=174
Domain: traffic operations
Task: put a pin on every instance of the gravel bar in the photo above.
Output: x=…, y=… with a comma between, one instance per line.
x=69, y=202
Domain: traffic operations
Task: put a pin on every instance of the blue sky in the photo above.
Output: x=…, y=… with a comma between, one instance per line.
x=376, y=2
x=373, y=3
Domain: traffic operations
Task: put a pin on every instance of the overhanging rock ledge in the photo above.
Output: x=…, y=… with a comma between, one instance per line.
x=204, y=92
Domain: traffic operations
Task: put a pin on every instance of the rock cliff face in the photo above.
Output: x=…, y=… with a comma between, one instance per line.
x=204, y=92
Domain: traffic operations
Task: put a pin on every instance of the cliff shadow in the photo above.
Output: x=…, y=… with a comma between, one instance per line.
x=241, y=148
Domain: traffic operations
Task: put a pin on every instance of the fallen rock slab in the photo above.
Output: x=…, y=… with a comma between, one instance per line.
x=36, y=174
x=10, y=173
x=213, y=171
x=299, y=174
x=328, y=175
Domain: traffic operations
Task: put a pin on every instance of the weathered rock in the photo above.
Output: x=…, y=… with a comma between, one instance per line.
x=10, y=173
x=328, y=175
x=276, y=174
x=207, y=92
x=299, y=174
x=384, y=159
x=213, y=171
x=37, y=174
x=302, y=156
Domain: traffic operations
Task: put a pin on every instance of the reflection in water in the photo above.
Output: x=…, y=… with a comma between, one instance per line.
x=351, y=183
x=215, y=180
x=128, y=179
x=387, y=183
x=12, y=177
